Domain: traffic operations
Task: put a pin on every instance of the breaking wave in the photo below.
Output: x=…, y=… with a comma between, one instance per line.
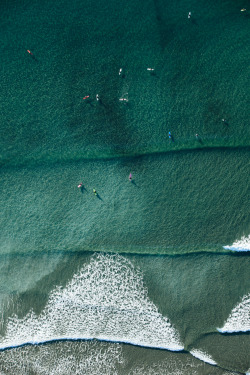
x=203, y=356
x=105, y=300
x=239, y=319
x=242, y=245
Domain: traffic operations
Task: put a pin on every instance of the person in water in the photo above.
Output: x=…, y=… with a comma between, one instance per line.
x=130, y=177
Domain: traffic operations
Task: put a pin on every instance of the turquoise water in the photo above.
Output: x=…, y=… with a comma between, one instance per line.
x=141, y=275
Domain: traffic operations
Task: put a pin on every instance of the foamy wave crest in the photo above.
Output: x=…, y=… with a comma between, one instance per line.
x=242, y=245
x=239, y=319
x=203, y=356
x=106, y=300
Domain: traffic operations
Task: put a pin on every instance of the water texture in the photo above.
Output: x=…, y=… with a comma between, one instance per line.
x=149, y=276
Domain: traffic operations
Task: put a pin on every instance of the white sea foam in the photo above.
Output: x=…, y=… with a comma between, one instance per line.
x=239, y=319
x=171, y=366
x=203, y=356
x=242, y=245
x=95, y=358
x=106, y=300
x=63, y=358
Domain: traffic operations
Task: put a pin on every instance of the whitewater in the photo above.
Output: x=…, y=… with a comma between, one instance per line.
x=239, y=318
x=106, y=300
x=241, y=245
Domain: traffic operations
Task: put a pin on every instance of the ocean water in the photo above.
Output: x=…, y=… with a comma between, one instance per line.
x=149, y=276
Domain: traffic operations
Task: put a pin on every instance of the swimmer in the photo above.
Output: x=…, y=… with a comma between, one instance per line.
x=97, y=97
x=130, y=177
x=29, y=52
x=86, y=97
x=189, y=15
x=94, y=191
x=80, y=185
x=120, y=71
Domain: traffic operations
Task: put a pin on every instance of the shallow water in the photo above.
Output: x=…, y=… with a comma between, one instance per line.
x=176, y=284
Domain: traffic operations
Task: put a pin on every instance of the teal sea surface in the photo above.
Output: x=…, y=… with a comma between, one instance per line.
x=148, y=276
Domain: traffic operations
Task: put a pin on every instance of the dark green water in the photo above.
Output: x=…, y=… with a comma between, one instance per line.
x=189, y=195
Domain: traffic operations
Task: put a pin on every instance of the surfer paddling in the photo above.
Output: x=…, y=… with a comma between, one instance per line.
x=189, y=15
x=94, y=191
x=152, y=71
x=30, y=52
x=80, y=185
x=86, y=97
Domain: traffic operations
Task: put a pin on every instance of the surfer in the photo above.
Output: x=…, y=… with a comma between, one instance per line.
x=189, y=15
x=29, y=52
x=150, y=69
x=80, y=185
x=97, y=97
x=86, y=97
x=94, y=191
x=130, y=177
x=243, y=10
x=169, y=135
x=120, y=71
